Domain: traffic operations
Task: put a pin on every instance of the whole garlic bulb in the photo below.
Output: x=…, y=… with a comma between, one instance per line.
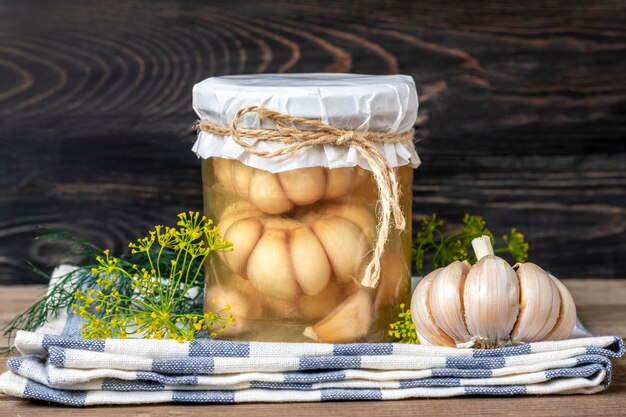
x=278, y=193
x=491, y=304
x=286, y=258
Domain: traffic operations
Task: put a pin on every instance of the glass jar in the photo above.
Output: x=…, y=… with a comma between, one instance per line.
x=301, y=240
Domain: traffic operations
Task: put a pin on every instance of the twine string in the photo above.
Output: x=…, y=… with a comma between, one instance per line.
x=298, y=133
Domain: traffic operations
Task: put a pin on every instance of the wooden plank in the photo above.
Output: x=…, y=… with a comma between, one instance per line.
x=521, y=115
x=590, y=297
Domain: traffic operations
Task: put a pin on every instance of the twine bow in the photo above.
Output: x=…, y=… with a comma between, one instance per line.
x=299, y=133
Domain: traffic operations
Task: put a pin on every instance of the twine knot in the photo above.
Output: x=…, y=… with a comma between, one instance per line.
x=298, y=133
x=346, y=138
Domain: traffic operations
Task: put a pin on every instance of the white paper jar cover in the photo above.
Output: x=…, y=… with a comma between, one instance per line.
x=381, y=103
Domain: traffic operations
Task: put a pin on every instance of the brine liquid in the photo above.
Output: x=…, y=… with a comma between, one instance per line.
x=269, y=314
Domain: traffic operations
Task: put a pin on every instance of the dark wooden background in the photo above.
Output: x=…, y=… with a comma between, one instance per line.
x=522, y=115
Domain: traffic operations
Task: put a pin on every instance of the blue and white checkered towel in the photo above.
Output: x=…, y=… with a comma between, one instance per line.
x=58, y=365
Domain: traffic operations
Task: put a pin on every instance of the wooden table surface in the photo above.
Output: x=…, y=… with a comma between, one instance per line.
x=601, y=306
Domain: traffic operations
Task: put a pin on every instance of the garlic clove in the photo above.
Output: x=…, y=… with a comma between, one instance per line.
x=539, y=304
x=238, y=210
x=338, y=182
x=357, y=214
x=244, y=235
x=424, y=323
x=242, y=176
x=490, y=297
x=241, y=309
x=315, y=307
x=223, y=169
x=264, y=304
x=446, y=301
x=238, y=207
x=245, y=287
x=344, y=243
x=310, y=263
x=215, y=205
x=423, y=340
x=269, y=266
x=360, y=176
x=567, y=313
x=267, y=194
x=303, y=186
x=348, y=322
x=367, y=188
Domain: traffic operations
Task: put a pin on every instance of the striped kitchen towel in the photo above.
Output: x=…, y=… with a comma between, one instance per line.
x=58, y=365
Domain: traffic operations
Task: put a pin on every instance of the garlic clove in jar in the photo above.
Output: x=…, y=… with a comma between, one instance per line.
x=244, y=238
x=428, y=331
x=315, y=307
x=242, y=310
x=267, y=194
x=348, y=322
x=539, y=304
x=269, y=266
x=285, y=258
x=342, y=180
x=491, y=297
x=303, y=186
x=236, y=211
x=358, y=214
x=339, y=181
x=216, y=205
x=344, y=243
x=276, y=193
x=309, y=262
x=284, y=309
x=223, y=169
x=566, y=320
x=446, y=301
x=242, y=177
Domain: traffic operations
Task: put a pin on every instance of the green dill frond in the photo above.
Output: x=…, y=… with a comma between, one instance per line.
x=516, y=245
x=77, y=247
x=58, y=298
x=431, y=243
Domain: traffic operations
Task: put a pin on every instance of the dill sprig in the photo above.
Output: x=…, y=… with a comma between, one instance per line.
x=404, y=329
x=443, y=249
x=61, y=294
x=156, y=306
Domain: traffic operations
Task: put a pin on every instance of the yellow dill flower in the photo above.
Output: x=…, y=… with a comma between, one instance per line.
x=147, y=298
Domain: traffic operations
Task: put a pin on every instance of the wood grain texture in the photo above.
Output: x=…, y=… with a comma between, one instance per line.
x=521, y=118
x=601, y=306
